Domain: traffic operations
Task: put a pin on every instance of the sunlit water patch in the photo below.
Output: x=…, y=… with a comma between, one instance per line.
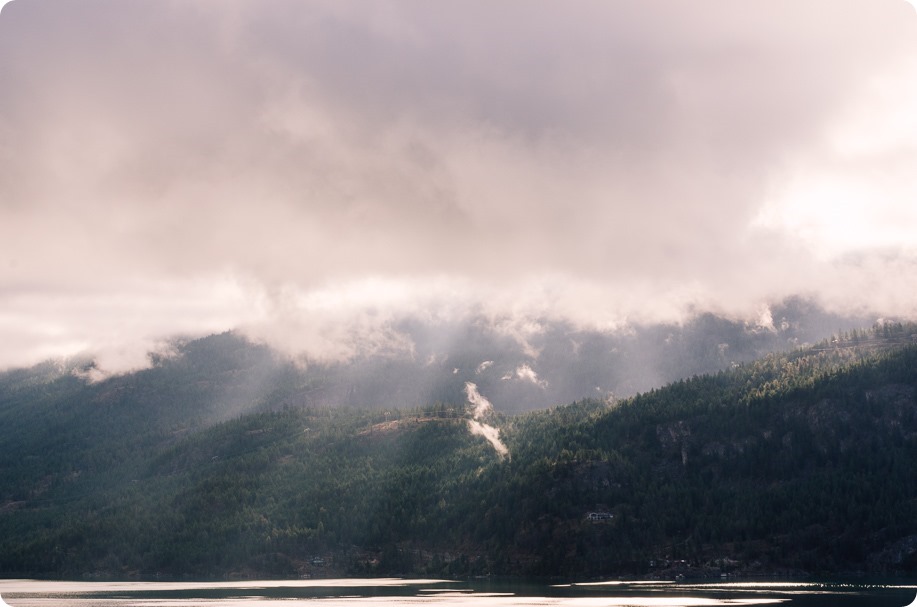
x=394, y=592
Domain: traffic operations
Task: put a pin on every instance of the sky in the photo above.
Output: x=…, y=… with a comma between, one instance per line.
x=308, y=173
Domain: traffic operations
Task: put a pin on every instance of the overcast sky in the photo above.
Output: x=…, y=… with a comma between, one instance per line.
x=307, y=171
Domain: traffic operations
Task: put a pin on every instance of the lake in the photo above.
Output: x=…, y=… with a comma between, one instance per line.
x=393, y=592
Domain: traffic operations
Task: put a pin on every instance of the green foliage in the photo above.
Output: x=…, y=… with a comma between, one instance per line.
x=800, y=460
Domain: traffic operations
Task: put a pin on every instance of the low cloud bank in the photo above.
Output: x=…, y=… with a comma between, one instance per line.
x=317, y=175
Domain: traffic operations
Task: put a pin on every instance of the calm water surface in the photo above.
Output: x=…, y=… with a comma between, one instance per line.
x=401, y=592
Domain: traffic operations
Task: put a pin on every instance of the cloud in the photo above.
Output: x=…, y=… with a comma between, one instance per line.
x=480, y=405
x=491, y=434
x=480, y=408
x=526, y=373
x=313, y=173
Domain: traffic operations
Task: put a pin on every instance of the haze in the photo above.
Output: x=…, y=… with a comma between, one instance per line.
x=312, y=174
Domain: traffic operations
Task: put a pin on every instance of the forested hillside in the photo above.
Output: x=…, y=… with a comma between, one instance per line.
x=550, y=363
x=798, y=462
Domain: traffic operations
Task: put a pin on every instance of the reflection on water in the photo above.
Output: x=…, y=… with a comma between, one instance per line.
x=393, y=592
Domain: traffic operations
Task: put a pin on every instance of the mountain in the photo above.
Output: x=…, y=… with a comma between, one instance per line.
x=517, y=368
x=224, y=460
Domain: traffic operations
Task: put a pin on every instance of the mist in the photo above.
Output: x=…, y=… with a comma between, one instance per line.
x=344, y=181
x=481, y=407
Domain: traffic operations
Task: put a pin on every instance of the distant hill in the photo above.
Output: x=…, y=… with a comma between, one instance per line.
x=227, y=461
x=547, y=364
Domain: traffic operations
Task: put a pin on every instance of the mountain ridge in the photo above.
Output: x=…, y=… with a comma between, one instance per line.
x=798, y=462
